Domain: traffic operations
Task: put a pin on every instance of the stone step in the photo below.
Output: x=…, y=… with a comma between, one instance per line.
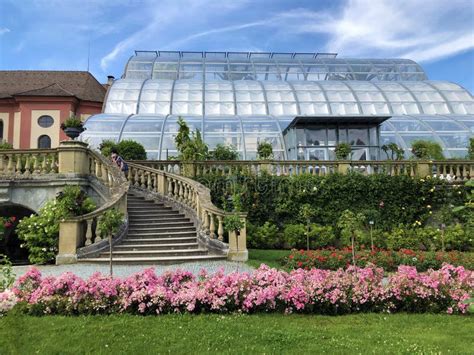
x=161, y=234
x=177, y=223
x=155, y=253
x=149, y=229
x=153, y=212
x=139, y=240
x=155, y=260
x=151, y=215
x=156, y=246
x=148, y=208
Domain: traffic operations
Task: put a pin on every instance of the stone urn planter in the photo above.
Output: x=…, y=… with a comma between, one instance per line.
x=73, y=132
x=73, y=127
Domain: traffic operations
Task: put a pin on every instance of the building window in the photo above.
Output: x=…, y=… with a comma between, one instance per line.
x=44, y=142
x=45, y=121
x=1, y=131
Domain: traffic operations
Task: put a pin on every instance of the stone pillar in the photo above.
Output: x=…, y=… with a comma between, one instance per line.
x=73, y=158
x=423, y=169
x=343, y=167
x=238, y=245
x=70, y=235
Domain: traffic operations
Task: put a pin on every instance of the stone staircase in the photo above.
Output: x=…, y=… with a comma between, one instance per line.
x=157, y=234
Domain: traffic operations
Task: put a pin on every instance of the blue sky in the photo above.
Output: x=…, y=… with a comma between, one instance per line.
x=55, y=34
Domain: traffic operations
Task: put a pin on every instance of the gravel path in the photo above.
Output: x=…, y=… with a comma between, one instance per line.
x=86, y=270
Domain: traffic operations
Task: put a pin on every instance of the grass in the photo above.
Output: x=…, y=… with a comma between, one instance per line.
x=261, y=333
x=269, y=257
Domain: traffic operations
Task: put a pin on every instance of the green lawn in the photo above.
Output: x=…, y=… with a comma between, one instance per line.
x=247, y=334
x=269, y=257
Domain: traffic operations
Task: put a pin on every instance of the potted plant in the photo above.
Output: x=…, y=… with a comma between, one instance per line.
x=73, y=127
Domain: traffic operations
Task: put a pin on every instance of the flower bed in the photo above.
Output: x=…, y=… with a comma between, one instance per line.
x=265, y=290
x=333, y=259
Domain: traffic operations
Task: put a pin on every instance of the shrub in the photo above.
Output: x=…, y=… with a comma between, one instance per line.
x=390, y=199
x=342, y=150
x=396, y=153
x=471, y=149
x=224, y=152
x=263, y=290
x=40, y=233
x=264, y=150
x=131, y=150
x=4, y=145
x=263, y=237
x=109, y=223
x=190, y=146
x=7, y=277
x=333, y=259
x=426, y=150
x=294, y=236
x=127, y=149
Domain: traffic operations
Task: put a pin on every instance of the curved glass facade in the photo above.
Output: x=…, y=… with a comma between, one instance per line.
x=244, y=98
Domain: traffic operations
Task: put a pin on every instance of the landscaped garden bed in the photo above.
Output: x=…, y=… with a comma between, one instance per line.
x=389, y=260
x=265, y=290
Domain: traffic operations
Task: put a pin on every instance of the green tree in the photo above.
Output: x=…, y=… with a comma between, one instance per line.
x=127, y=149
x=396, y=153
x=350, y=225
x=190, y=145
x=4, y=145
x=342, y=150
x=471, y=149
x=264, y=150
x=426, y=149
x=224, y=152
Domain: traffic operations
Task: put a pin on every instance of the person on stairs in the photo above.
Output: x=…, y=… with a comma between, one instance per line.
x=117, y=159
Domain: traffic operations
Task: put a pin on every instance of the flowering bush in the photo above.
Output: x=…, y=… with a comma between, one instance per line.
x=333, y=259
x=264, y=290
x=40, y=233
x=7, y=301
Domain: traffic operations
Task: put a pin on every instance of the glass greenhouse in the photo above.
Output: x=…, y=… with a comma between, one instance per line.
x=302, y=103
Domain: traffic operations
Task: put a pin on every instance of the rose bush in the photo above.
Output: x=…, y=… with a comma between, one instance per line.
x=333, y=259
x=264, y=290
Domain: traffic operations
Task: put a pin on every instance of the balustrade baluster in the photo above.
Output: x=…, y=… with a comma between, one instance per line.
x=43, y=164
x=98, y=237
x=89, y=232
x=175, y=189
x=148, y=182
x=142, y=179
x=54, y=168
x=212, y=226
x=220, y=229
x=18, y=167
x=170, y=187
x=136, y=179
x=27, y=166
x=10, y=166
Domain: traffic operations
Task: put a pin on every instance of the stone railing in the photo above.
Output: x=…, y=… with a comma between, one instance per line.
x=25, y=163
x=452, y=170
x=196, y=198
x=78, y=235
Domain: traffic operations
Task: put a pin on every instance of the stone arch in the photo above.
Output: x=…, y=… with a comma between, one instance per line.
x=10, y=243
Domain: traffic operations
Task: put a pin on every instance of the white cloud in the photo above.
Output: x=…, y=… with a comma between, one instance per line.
x=4, y=30
x=422, y=30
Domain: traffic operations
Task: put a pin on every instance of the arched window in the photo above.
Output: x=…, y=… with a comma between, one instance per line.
x=44, y=142
x=1, y=131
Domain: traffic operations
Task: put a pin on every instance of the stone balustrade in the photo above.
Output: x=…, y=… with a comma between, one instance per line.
x=28, y=162
x=452, y=170
x=78, y=235
x=197, y=198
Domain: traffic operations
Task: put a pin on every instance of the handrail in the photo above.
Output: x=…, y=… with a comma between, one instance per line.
x=192, y=194
x=117, y=188
x=25, y=162
x=451, y=170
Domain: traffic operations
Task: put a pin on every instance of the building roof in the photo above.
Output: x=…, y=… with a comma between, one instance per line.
x=79, y=84
x=267, y=67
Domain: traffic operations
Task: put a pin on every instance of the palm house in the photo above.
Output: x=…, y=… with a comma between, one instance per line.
x=302, y=103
